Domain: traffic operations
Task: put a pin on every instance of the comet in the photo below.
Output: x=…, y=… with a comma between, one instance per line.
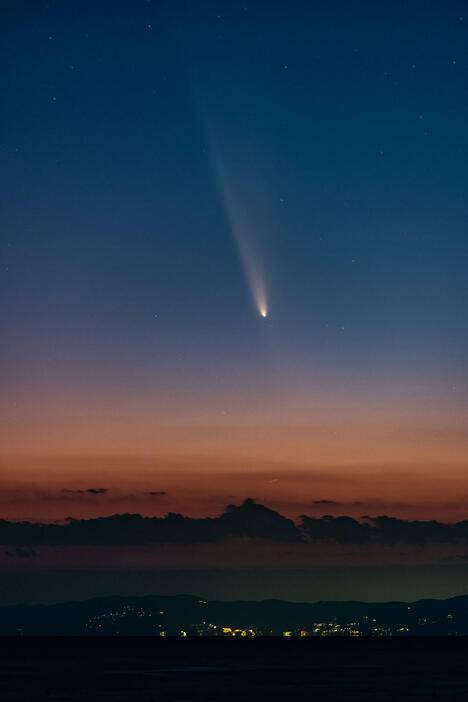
x=241, y=230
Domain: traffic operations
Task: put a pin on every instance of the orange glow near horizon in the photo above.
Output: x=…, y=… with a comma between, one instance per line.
x=369, y=453
x=50, y=487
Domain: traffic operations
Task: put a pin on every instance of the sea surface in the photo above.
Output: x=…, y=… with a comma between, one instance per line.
x=146, y=669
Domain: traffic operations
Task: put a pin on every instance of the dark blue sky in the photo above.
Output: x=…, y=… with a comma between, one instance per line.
x=344, y=128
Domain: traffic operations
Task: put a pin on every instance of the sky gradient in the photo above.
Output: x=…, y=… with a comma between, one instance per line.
x=174, y=170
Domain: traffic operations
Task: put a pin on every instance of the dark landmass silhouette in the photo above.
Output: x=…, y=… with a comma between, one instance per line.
x=181, y=615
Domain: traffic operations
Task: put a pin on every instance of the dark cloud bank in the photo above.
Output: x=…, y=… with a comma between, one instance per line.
x=105, y=491
x=250, y=520
x=89, y=491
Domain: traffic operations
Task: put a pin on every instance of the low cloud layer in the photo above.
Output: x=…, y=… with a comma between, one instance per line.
x=249, y=520
x=383, y=530
x=89, y=491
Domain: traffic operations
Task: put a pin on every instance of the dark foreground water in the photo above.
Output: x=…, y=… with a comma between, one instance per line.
x=233, y=669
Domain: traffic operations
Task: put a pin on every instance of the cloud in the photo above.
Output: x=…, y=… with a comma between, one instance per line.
x=22, y=553
x=383, y=530
x=89, y=491
x=338, y=504
x=345, y=530
x=156, y=493
x=248, y=520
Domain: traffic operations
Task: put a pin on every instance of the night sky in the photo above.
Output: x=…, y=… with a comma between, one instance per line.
x=233, y=264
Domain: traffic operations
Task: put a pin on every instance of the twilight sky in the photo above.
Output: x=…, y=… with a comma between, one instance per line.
x=170, y=171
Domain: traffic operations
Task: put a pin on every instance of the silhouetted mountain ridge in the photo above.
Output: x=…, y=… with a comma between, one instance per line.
x=153, y=614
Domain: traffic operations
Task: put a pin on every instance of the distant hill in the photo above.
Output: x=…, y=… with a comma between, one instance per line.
x=182, y=615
